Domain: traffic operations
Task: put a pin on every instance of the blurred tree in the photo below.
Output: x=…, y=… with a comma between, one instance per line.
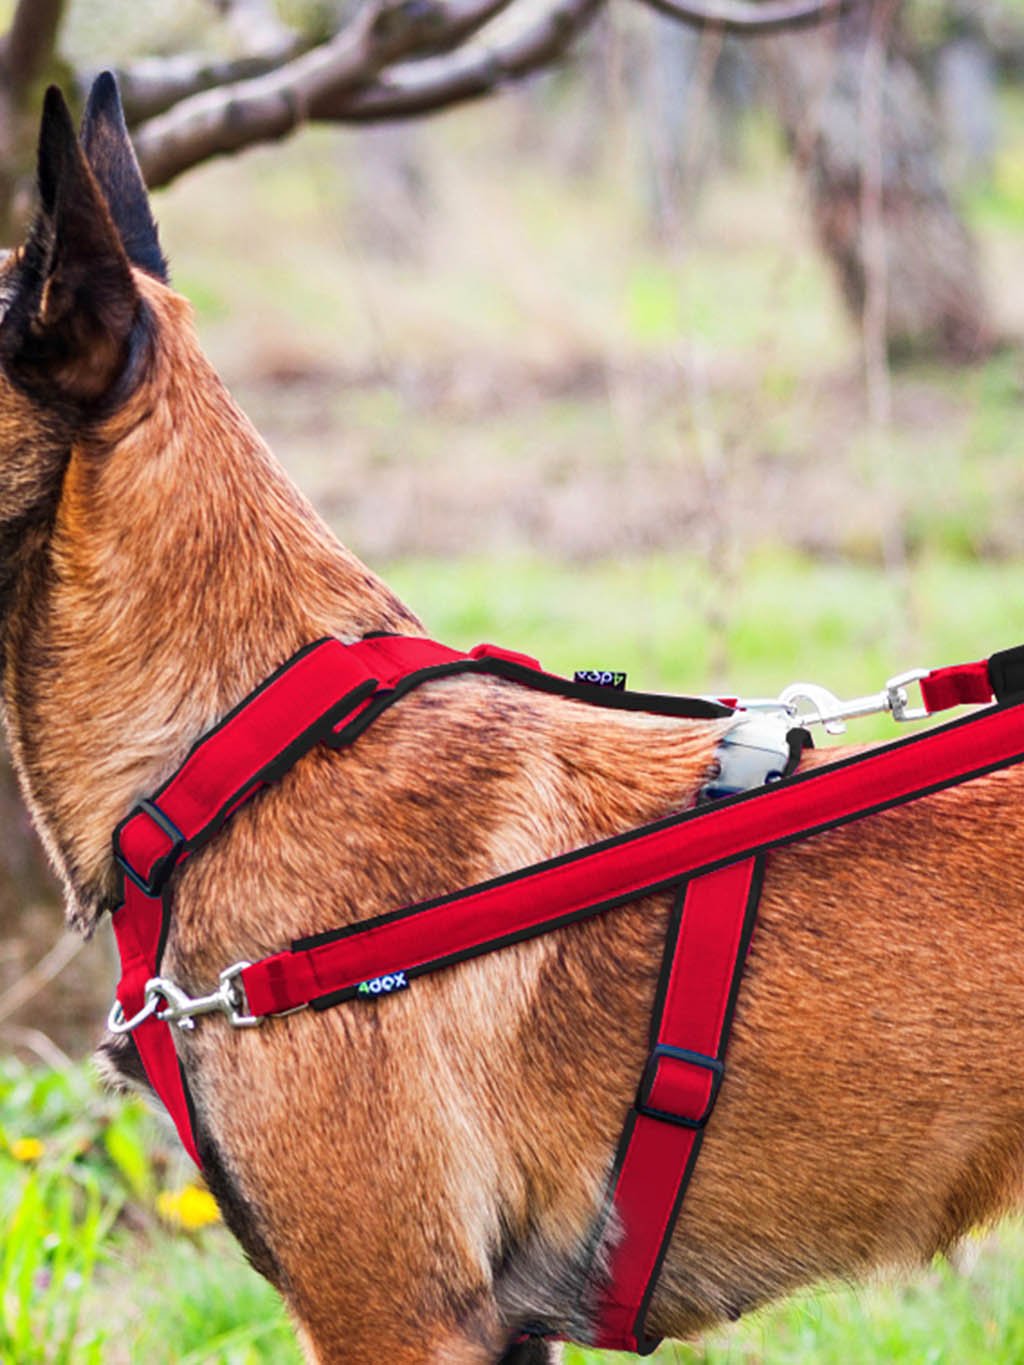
x=392, y=59
x=399, y=59
x=935, y=302
x=966, y=76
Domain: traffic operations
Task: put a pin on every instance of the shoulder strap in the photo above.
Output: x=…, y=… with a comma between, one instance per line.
x=329, y=692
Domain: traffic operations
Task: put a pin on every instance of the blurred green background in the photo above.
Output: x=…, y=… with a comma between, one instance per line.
x=613, y=424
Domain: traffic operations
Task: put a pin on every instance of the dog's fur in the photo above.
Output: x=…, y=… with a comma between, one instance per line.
x=421, y=1178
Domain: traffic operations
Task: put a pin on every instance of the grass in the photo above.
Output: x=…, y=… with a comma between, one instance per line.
x=661, y=619
x=89, y=1274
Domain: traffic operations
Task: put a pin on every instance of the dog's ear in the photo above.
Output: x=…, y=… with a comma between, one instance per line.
x=73, y=302
x=110, y=153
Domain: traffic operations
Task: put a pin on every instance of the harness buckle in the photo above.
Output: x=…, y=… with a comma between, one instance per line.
x=896, y=695
x=662, y=1052
x=172, y=1005
x=832, y=714
x=164, y=865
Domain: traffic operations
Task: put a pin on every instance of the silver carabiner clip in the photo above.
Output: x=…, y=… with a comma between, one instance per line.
x=896, y=693
x=172, y=1005
x=116, y=1021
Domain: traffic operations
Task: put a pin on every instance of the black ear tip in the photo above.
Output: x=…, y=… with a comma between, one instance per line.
x=105, y=96
x=55, y=107
x=57, y=143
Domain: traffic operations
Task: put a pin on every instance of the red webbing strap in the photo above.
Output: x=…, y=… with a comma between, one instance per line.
x=612, y=873
x=138, y=928
x=961, y=685
x=704, y=956
x=317, y=691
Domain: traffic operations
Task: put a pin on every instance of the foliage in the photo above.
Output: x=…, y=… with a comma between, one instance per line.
x=61, y=1187
x=89, y=1277
x=91, y=1200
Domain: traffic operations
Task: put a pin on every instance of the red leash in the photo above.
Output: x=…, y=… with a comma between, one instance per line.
x=713, y=855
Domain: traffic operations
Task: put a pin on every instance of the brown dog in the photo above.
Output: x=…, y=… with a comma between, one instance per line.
x=421, y=1179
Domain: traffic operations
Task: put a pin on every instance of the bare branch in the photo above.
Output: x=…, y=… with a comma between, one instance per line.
x=155, y=84
x=437, y=83
x=311, y=86
x=39, y=1044
x=30, y=42
x=364, y=74
x=753, y=16
x=30, y=983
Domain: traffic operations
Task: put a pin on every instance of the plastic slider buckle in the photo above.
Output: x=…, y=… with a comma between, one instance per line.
x=673, y=1055
x=164, y=865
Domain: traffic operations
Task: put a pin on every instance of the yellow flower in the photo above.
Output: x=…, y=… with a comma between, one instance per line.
x=27, y=1149
x=189, y=1207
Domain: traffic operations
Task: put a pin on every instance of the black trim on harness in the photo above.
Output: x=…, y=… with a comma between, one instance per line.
x=653, y=703
x=271, y=772
x=799, y=741
x=671, y=821
x=323, y=730
x=647, y=1344
x=339, y=997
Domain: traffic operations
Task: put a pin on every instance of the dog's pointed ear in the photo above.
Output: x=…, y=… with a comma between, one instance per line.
x=73, y=305
x=110, y=153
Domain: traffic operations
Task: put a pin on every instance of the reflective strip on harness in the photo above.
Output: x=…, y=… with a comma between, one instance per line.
x=330, y=692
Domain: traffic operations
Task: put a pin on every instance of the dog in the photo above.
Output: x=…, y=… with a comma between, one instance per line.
x=420, y=1181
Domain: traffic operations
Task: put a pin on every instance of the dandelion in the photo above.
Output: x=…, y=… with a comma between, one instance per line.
x=189, y=1208
x=27, y=1149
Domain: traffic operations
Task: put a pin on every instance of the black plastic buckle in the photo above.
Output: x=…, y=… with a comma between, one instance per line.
x=678, y=1054
x=164, y=865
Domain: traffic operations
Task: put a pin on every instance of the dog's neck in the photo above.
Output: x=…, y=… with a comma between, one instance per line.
x=183, y=568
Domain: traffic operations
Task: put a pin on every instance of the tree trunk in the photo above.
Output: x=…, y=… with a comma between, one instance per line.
x=934, y=296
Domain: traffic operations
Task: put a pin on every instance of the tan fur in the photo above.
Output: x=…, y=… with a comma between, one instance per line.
x=422, y=1176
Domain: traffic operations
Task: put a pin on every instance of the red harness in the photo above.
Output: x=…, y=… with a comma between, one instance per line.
x=711, y=857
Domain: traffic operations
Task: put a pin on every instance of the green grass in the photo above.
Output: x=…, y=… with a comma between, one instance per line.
x=847, y=626
x=89, y=1273
x=89, y=1276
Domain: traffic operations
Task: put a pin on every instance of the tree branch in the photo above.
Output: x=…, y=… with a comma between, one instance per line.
x=364, y=74
x=30, y=42
x=270, y=106
x=753, y=16
x=155, y=84
x=439, y=82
